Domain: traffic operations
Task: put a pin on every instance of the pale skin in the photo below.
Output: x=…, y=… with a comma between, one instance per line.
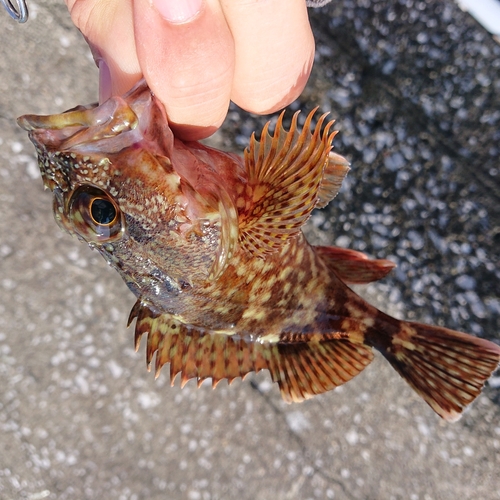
x=197, y=55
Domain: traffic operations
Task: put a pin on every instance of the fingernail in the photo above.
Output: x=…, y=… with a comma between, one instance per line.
x=178, y=11
x=104, y=82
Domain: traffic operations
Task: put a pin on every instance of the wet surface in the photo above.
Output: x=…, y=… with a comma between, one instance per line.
x=415, y=89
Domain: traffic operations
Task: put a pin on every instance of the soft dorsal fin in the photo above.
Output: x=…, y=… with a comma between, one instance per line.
x=289, y=174
x=335, y=171
x=301, y=369
x=354, y=267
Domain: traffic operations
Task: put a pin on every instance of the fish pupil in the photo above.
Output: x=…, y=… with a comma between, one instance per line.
x=103, y=211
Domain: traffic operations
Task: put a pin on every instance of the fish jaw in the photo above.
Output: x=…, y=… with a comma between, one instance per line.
x=75, y=147
x=165, y=233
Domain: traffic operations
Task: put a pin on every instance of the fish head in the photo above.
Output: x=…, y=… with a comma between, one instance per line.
x=110, y=170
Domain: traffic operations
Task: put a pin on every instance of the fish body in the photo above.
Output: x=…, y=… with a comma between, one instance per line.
x=211, y=245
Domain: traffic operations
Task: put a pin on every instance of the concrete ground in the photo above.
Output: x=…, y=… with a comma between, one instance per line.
x=415, y=87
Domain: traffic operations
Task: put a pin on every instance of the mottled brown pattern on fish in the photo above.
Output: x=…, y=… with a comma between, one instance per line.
x=211, y=245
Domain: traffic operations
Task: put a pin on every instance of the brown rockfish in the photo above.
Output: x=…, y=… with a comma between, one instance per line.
x=211, y=245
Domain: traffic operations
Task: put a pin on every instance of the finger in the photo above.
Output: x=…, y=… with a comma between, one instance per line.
x=274, y=52
x=107, y=25
x=189, y=65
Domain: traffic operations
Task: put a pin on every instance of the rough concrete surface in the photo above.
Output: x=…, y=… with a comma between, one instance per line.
x=415, y=87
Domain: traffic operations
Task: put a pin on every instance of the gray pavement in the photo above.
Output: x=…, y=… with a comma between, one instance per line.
x=415, y=87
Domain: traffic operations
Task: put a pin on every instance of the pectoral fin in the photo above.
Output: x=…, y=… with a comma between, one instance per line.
x=217, y=199
x=301, y=369
x=289, y=174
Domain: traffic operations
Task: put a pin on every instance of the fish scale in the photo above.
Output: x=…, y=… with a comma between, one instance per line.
x=211, y=245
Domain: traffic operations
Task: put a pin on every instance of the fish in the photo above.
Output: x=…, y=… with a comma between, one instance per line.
x=211, y=244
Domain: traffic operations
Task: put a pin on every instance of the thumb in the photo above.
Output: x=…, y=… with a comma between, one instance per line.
x=108, y=28
x=186, y=53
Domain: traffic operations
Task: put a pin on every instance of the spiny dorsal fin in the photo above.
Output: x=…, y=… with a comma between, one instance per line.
x=355, y=267
x=301, y=369
x=289, y=173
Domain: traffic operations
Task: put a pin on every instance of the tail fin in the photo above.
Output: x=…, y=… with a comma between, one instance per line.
x=446, y=368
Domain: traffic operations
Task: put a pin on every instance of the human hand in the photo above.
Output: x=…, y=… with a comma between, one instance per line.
x=196, y=55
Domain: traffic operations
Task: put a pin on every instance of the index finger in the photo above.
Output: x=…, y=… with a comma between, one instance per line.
x=274, y=52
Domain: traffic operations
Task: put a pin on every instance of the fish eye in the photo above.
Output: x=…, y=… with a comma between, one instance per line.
x=103, y=211
x=95, y=215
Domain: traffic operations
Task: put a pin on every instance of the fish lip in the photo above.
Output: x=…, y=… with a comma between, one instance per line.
x=73, y=117
x=25, y=122
x=73, y=130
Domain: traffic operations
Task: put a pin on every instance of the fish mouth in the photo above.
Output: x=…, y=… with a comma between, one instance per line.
x=70, y=140
x=83, y=127
x=77, y=116
x=73, y=129
x=87, y=135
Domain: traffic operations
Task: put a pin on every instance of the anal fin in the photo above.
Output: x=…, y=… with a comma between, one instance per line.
x=301, y=369
x=304, y=370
